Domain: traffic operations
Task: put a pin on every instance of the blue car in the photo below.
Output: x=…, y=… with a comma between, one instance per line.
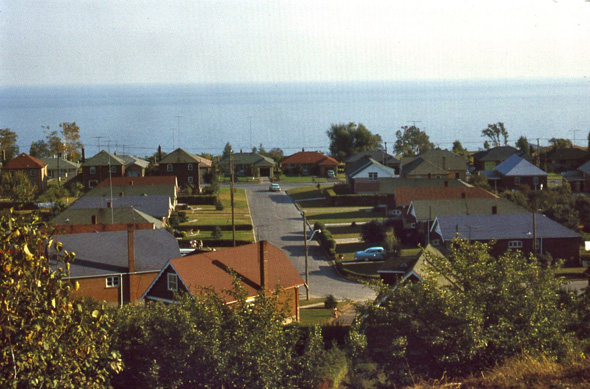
x=370, y=254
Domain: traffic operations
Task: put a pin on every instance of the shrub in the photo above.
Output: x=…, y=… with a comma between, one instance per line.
x=330, y=302
x=218, y=205
x=216, y=233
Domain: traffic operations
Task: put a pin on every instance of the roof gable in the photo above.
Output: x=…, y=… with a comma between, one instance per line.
x=158, y=206
x=181, y=156
x=310, y=157
x=378, y=155
x=429, y=209
x=118, y=215
x=24, y=161
x=63, y=163
x=517, y=166
x=139, y=181
x=371, y=164
x=585, y=168
x=250, y=159
x=104, y=159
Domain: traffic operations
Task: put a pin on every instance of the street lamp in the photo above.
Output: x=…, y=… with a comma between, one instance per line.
x=306, y=241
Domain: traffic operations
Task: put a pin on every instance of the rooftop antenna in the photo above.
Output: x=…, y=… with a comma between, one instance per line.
x=177, y=129
x=574, y=131
x=414, y=122
x=98, y=138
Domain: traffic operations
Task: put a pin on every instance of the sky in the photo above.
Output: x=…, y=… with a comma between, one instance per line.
x=50, y=42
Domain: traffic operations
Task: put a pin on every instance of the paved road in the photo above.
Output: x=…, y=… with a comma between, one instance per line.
x=277, y=220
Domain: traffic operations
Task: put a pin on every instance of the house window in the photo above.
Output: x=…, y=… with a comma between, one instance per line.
x=172, y=282
x=189, y=166
x=190, y=179
x=31, y=173
x=373, y=176
x=113, y=282
x=92, y=169
x=435, y=242
x=113, y=169
x=515, y=244
x=516, y=180
x=169, y=167
x=535, y=180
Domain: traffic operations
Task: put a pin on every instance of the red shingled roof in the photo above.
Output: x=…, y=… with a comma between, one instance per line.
x=24, y=161
x=403, y=196
x=131, y=181
x=310, y=157
x=212, y=269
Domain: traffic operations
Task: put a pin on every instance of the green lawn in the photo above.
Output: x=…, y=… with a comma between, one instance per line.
x=316, y=315
x=341, y=214
x=299, y=179
x=305, y=192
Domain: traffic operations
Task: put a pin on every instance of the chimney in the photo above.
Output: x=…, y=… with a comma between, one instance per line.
x=159, y=153
x=303, y=149
x=446, y=184
x=263, y=247
x=494, y=209
x=83, y=155
x=130, y=248
x=444, y=163
x=93, y=219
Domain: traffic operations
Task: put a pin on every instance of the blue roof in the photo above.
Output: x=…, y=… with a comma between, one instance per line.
x=509, y=226
x=517, y=166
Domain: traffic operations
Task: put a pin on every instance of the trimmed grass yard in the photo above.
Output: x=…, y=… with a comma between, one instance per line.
x=301, y=179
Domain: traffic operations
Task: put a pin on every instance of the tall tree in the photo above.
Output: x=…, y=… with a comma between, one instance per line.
x=72, y=144
x=227, y=150
x=46, y=338
x=560, y=143
x=459, y=149
x=496, y=133
x=349, y=139
x=523, y=145
x=8, y=143
x=39, y=149
x=411, y=141
x=19, y=188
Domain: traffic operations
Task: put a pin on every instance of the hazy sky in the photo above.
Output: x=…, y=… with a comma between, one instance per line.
x=50, y=42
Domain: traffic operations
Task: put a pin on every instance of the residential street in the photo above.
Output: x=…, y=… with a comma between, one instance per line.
x=277, y=220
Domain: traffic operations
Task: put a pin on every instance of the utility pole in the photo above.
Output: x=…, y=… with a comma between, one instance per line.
x=306, y=256
x=233, y=220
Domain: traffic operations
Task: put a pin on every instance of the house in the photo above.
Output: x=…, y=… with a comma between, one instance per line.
x=134, y=167
x=258, y=266
x=407, y=267
x=585, y=171
x=434, y=164
x=404, y=196
x=66, y=169
x=488, y=159
x=390, y=186
x=567, y=159
x=117, y=266
x=70, y=220
x=188, y=168
x=421, y=213
x=510, y=231
x=101, y=167
x=309, y=163
x=516, y=172
x=378, y=155
x=34, y=169
x=249, y=164
x=368, y=175
x=140, y=181
x=137, y=186
x=159, y=207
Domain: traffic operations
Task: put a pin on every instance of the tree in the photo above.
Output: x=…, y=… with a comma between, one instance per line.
x=459, y=149
x=203, y=342
x=560, y=143
x=349, y=139
x=479, y=180
x=227, y=150
x=71, y=138
x=277, y=154
x=46, y=338
x=523, y=145
x=39, y=149
x=472, y=311
x=373, y=232
x=8, y=143
x=19, y=188
x=496, y=133
x=411, y=141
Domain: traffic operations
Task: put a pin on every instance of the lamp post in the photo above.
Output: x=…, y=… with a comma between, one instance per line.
x=305, y=240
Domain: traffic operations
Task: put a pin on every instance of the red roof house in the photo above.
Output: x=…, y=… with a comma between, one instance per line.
x=258, y=266
x=309, y=163
x=34, y=169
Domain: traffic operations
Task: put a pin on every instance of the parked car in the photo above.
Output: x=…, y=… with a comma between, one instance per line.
x=370, y=254
x=274, y=187
x=331, y=174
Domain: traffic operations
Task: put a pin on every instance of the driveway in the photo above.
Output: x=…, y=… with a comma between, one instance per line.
x=277, y=220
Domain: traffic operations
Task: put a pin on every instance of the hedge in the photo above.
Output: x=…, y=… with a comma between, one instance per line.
x=351, y=200
x=225, y=227
x=325, y=238
x=198, y=199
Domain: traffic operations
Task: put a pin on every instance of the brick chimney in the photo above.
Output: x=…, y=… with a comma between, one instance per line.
x=130, y=248
x=263, y=251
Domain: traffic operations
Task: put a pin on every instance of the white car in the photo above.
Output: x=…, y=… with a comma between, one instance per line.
x=370, y=254
x=274, y=187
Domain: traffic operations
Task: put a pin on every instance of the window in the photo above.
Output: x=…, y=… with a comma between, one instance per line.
x=516, y=180
x=189, y=166
x=373, y=176
x=172, y=282
x=435, y=242
x=169, y=167
x=535, y=180
x=113, y=282
x=190, y=179
x=514, y=244
x=113, y=169
x=31, y=172
x=92, y=169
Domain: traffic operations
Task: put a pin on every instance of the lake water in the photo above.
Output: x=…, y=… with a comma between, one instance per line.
x=202, y=118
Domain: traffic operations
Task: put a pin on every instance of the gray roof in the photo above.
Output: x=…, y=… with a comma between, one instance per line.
x=156, y=206
x=378, y=155
x=517, y=166
x=510, y=226
x=63, y=163
x=103, y=253
x=500, y=153
x=119, y=215
x=430, y=209
x=104, y=159
x=130, y=161
x=371, y=162
x=585, y=168
x=388, y=185
x=252, y=158
x=133, y=190
x=438, y=158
